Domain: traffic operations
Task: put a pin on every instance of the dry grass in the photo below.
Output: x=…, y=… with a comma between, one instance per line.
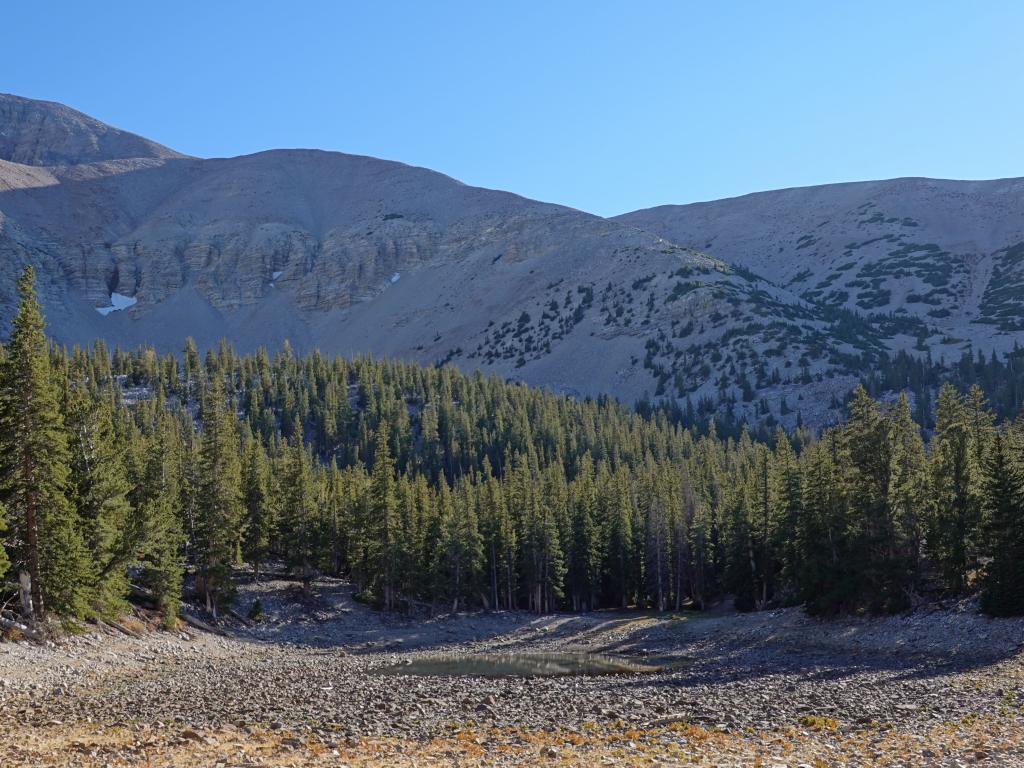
x=53, y=745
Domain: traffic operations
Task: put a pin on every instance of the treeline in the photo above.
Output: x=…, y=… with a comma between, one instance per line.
x=427, y=485
x=1001, y=378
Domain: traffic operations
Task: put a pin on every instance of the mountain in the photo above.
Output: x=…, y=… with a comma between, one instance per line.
x=138, y=244
x=46, y=133
x=947, y=254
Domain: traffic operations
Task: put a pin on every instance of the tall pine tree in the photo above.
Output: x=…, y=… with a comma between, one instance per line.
x=1003, y=578
x=46, y=537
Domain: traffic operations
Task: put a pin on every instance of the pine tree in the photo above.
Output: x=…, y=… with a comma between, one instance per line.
x=499, y=538
x=159, y=505
x=460, y=548
x=657, y=552
x=787, y=511
x=826, y=577
x=1003, y=495
x=219, y=509
x=907, y=494
x=298, y=523
x=99, y=490
x=879, y=540
x=619, y=554
x=259, y=517
x=954, y=510
x=384, y=516
x=47, y=540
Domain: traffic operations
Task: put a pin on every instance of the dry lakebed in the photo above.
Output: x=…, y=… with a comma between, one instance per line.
x=329, y=681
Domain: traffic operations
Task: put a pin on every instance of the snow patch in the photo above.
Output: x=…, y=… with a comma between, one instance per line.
x=395, y=277
x=275, y=275
x=118, y=301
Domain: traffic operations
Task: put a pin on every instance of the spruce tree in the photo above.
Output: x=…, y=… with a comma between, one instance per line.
x=384, y=515
x=219, y=510
x=460, y=548
x=46, y=540
x=827, y=581
x=1003, y=495
x=954, y=470
x=878, y=538
x=584, y=570
x=907, y=485
x=787, y=511
x=159, y=505
x=499, y=538
x=259, y=517
x=99, y=490
x=299, y=508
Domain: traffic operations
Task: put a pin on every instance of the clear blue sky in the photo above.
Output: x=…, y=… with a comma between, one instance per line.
x=604, y=106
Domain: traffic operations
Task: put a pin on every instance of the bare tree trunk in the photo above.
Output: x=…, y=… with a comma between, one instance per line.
x=494, y=576
x=32, y=542
x=25, y=592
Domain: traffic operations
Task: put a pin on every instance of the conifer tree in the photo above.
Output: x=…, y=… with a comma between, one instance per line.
x=788, y=510
x=657, y=552
x=460, y=548
x=219, y=509
x=299, y=510
x=826, y=575
x=584, y=570
x=879, y=540
x=908, y=488
x=384, y=516
x=619, y=555
x=159, y=507
x=1003, y=489
x=499, y=538
x=259, y=517
x=46, y=540
x=99, y=491
x=954, y=509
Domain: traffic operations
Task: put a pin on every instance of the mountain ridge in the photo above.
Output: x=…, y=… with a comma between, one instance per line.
x=47, y=133
x=353, y=254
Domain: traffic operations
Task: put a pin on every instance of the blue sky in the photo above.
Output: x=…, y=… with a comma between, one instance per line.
x=604, y=106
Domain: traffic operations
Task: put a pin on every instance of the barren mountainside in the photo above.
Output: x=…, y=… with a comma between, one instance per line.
x=950, y=253
x=776, y=295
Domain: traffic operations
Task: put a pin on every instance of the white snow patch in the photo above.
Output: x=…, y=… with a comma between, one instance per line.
x=395, y=277
x=118, y=301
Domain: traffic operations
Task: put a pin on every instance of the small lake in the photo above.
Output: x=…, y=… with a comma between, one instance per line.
x=523, y=665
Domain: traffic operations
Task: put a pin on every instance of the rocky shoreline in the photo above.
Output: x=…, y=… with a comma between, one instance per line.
x=308, y=675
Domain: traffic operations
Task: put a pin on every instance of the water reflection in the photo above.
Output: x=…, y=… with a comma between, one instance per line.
x=520, y=665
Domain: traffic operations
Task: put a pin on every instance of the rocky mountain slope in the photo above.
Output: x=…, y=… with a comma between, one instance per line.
x=136, y=243
x=46, y=133
x=949, y=254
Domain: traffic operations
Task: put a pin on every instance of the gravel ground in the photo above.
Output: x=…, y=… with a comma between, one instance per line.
x=943, y=686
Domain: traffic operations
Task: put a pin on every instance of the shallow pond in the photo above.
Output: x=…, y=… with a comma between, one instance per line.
x=524, y=665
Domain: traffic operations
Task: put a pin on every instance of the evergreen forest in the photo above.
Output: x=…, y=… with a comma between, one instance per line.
x=128, y=470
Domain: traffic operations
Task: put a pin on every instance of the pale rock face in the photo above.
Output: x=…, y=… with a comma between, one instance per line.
x=352, y=254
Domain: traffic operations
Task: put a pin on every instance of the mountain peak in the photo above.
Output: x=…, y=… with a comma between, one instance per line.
x=46, y=133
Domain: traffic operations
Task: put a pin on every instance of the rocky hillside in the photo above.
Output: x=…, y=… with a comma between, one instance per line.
x=948, y=255
x=136, y=244
x=46, y=133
